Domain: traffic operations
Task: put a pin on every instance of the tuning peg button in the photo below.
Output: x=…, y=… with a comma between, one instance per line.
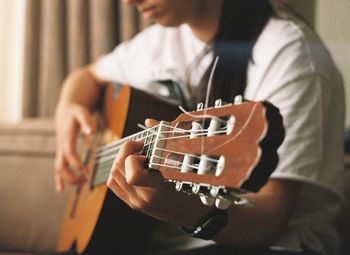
x=200, y=106
x=196, y=188
x=218, y=102
x=201, y=190
x=238, y=99
x=214, y=191
x=184, y=187
x=222, y=204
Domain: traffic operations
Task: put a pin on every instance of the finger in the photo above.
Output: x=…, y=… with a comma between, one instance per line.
x=77, y=164
x=59, y=183
x=136, y=174
x=117, y=190
x=130, y=147
x=64, y=173
x=151, y=122
x=58, y=166
x=72, y=157
x=68, y=175
x=85, y=120
x=124, y=191
x=120, y=179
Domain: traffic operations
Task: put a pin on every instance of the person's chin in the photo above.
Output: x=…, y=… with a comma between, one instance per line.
x=166, y=22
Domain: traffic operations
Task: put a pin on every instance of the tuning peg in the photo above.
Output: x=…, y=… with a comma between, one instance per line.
x=214, y=191
x=184, y=187
x=201, y=190
x=238, y=99
x=200, y=106
x=218, y=102
x=235, y=197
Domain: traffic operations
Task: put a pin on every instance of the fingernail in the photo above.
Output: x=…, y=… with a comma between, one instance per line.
x=58, y=189
x=87, y=130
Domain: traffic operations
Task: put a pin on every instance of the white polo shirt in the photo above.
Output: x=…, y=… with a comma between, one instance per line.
x=291, y=69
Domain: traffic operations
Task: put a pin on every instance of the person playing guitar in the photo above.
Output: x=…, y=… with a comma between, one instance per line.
x=264, y=53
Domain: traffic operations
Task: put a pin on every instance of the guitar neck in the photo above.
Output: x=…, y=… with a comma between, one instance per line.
x=106, y=154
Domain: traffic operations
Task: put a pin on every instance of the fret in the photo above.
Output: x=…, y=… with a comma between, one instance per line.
x=102, y=172
x=158, y=141
x=146, y=143
x=106, y=154
x=138, y=137
x=143, y=140
x=113, y=150
x=152, y=141
x=142, y=135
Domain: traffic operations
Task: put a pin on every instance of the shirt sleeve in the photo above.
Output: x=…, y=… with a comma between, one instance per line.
x=312, y=148
x=298, y=76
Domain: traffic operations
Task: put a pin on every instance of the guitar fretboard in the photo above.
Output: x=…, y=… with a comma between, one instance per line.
x=106, y=154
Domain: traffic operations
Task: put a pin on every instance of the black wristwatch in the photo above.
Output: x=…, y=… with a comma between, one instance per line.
x=210, y=226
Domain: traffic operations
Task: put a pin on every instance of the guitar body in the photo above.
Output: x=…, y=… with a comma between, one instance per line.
x=95, y=220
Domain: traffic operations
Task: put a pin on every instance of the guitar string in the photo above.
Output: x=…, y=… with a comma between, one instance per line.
x=111, y=157
x=107, y=149
x=106, y=146
x=177, y=164
x=103, y=147
x=101, y=175
x=187, y=136
x=194, y=166
x=111, y=149
x=175, y=128
x=237, y=134
x=201, y=116
x=104, y=173
x=250, y=116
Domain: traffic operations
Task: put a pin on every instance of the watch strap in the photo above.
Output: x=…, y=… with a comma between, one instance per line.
x=210, y=226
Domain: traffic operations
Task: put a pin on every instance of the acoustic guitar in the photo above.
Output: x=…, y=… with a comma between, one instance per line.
x=218, y=153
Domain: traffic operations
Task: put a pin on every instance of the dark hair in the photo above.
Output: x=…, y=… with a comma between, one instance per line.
x=241, y=23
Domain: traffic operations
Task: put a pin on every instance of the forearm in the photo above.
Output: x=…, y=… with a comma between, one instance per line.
x=81, y=87
x=262, y=224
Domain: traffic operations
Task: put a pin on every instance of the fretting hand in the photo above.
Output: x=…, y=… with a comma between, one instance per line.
x=146, y=191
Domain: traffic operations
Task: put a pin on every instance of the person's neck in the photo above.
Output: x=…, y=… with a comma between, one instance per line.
x=206, y=24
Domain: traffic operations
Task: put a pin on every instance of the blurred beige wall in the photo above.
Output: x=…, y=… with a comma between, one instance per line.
x=306, y=8
x=332, y=22
x=11, y=56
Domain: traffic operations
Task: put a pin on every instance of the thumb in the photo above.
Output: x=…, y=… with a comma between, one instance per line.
x=85, y=120
x=151, y=122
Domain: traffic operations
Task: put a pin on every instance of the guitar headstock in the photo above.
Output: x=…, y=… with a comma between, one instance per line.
x=219, y=152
